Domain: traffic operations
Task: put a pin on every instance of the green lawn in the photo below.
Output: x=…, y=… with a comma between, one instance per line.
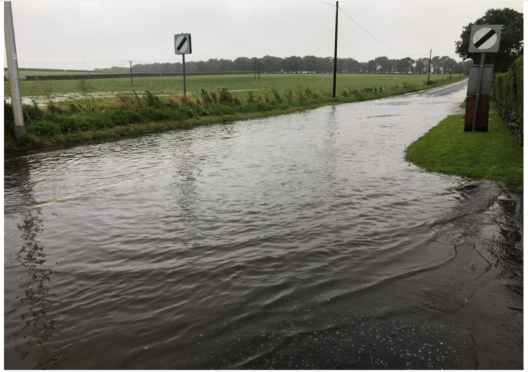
x=446, y=148
x=319, y=83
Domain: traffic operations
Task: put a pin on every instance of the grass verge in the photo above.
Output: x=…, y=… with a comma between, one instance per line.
x=58, y=128
x=447, y=149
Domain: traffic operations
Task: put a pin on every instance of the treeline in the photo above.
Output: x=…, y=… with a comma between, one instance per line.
x=48, y=69
x=269, y=64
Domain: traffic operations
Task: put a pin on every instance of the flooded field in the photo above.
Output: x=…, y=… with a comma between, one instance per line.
x=42, y=101
x=299, y=241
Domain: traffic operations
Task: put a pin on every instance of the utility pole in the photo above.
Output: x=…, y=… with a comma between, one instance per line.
x=14, y=80
x=131, y=81
x=429, y=72
x=335, y=51
x=255, y=69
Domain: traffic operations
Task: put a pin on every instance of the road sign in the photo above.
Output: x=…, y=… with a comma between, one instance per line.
x=485, y=83
x=484, y=38
x=182, y=44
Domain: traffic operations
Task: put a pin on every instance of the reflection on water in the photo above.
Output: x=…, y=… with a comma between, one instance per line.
x=38, y=298
x=36, y=325
x=507, y=245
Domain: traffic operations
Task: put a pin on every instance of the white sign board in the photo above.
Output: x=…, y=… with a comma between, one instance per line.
x=484, y=38
x=182, y=44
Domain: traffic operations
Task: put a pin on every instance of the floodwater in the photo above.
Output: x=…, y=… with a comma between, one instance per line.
x=299, y=241
x=43, y=101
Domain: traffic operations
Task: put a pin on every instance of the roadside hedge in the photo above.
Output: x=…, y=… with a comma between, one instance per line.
x=507, y=94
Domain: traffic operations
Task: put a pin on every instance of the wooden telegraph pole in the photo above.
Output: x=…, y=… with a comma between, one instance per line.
x=131, y=81
x=335, y=51
x=429, y=70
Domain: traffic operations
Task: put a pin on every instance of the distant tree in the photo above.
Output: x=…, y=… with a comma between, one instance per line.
x=404, y=65
x=382, y=64
x=371, y=66
x=310, y=62
x=420, y=66
x=449, y=65
x=272, y=64
x=347, y=65
x=511, y=43
x=435, y=65
x=293, y=63
x=243, y=64
x=362, y=67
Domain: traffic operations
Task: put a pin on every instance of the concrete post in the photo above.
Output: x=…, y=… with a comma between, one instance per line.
x=12, y=64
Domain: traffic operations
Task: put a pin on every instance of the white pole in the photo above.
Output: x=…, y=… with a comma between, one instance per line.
x=12, y=64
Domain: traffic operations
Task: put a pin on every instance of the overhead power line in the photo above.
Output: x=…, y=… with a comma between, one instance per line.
x=372, y=36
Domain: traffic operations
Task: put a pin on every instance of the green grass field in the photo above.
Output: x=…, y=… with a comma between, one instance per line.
x=446, y=148
x=320, y=83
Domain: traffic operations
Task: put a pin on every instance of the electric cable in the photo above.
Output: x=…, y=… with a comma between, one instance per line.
x=379, y=41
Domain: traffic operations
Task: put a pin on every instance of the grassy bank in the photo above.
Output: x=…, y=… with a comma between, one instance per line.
x=446, y=148
x=126, y=115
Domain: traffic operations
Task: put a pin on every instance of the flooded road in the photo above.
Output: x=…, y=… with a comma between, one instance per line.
x=300, y=241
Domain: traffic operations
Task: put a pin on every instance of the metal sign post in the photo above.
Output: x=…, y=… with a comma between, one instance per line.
x=182, y=45
x=184, y=83
x=479, y=84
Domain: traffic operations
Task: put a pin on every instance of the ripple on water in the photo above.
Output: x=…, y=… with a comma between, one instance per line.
x=226, y=253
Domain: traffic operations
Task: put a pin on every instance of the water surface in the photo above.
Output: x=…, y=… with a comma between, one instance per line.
x=266, y=243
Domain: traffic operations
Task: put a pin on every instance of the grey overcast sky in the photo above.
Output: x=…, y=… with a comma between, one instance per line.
x=73, y=34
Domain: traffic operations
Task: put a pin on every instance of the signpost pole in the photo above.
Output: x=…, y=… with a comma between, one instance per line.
x=183, y=46
x=184, y=85
x=479, y=81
